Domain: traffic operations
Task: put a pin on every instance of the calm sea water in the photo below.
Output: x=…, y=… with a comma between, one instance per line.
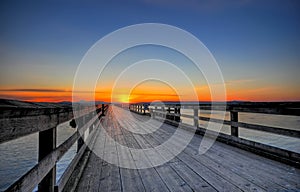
x=20, y=155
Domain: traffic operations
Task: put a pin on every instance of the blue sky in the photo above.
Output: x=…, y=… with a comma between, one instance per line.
x=255, y=42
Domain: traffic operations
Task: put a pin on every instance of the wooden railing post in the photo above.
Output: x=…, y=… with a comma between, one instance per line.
x=196, y=117
x=155, y=111
x=47, y=143
x=146, y=108
x=80, y=140
x=234, y=119
x=177, y=112
x=102, y=110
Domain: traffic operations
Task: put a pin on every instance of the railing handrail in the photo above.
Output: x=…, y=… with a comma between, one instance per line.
x=275, y=108
x=269, y=129
x=19, y=122
x=170, y=113
x=51, y=117
x=256, y=108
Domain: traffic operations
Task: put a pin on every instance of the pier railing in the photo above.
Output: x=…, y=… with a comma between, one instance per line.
x=19, y=122
x=170, y=113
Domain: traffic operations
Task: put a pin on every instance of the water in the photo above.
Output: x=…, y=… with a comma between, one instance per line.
x=284, y=142
x=20, y=155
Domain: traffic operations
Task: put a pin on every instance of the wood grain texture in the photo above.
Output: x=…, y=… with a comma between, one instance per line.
x=222, y=168
x=18, y=122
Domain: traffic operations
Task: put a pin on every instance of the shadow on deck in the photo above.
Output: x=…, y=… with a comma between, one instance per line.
x=221, y=168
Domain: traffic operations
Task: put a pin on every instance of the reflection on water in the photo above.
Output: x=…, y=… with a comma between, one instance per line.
x=284, y=142
x=20, y=155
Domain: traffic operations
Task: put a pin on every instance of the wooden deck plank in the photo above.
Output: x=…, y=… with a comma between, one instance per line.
x=222, y=168
x=150, y=178
x=235, y=178
x=223, y=184
x=251, y=168
x=168, y=175
x=218, y=182
x=90, y=178
x=110, y=174
x=189, y=177
x=267, y=162
x=254, y=175
x=91, y=175
x=130, y=177
x=221, y=171
x=275, y=181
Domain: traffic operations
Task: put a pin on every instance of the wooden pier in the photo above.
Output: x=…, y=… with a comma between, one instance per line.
x=231, y=164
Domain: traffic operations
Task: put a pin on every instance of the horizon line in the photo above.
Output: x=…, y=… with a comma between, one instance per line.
x=166, y=101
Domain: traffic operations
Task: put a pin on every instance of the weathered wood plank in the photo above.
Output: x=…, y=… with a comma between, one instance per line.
x=12, y=128
x=130, y=178
x=234, y=129
x=252, y=164
x=173, y=180
x=170, y=177
x=236, y=160
x=15, y=123
x=47, y=143
x=37, y=173
x=110, y=174
x=28, y=181
x=78, y=171
x=269, y=129
x=68, y=172
x=150, y=177
x=269, y=151
x=222, y=168
x=210, y=176
x=276, y=108
x=90, y=179
x=187, y=156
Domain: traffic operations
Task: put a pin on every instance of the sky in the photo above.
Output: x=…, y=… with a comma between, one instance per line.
x=255, y=43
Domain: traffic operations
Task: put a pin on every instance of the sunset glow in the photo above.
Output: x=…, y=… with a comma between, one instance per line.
x=256, y=45
x=147, y=93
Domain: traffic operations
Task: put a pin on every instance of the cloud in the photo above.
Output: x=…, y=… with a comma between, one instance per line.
x=33, y=90
x=46, y=91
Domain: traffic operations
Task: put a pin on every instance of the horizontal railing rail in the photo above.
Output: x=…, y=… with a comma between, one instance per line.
x=19, y=122
x=170, y=113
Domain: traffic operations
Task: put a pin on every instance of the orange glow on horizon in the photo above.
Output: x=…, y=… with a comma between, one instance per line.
x=148, y=92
